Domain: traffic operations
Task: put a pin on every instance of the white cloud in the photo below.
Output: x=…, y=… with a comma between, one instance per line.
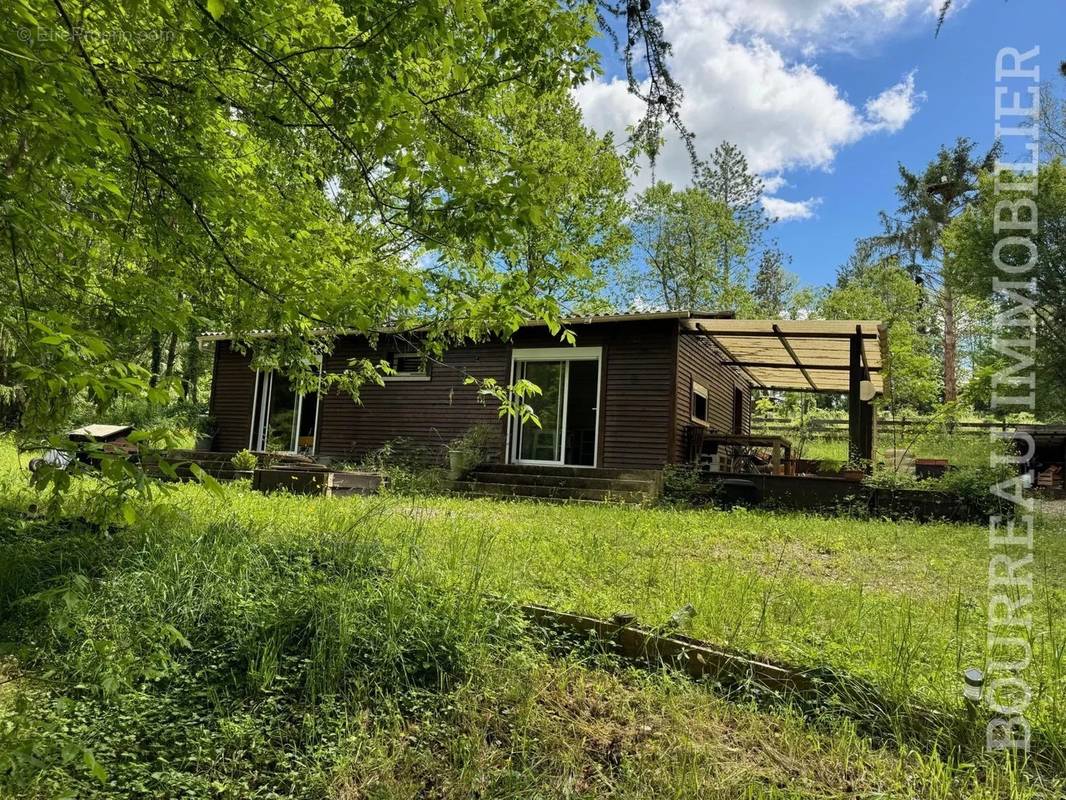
x=772, y=184
x=894, y=107
x=787, y=210
x=747, y=80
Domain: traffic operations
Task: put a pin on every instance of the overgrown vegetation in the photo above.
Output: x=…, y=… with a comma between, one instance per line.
x=256, y=646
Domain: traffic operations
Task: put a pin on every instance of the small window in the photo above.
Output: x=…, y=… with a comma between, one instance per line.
x=699, y=402
x=738, y=411
x=407, y=365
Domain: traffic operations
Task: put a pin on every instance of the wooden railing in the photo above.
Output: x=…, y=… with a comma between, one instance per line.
x=821, y=425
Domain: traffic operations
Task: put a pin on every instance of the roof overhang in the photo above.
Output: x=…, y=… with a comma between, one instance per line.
x=798, y=355
x=594, y=319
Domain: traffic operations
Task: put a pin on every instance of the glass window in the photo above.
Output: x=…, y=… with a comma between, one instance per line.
x=699, y=402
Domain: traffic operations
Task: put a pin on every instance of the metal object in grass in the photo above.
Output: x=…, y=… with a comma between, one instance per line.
x=972, y=690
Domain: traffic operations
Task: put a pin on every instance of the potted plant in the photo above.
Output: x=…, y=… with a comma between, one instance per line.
x=853, y=471
x=205, y=433
x=469, y=450
x=244, y=464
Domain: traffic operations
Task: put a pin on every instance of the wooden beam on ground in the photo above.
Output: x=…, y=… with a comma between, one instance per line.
x=699, y=659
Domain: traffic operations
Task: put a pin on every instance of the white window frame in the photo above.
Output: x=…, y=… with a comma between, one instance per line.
x=699, y=390
x=261, y=410
x=566, y=355
x=423, y=375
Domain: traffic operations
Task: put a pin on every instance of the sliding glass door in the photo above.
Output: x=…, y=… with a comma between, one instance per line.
x=282, y=420
x=543, y=445
x=567, y=407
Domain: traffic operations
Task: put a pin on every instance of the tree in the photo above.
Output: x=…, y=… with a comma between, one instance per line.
x=570, y=255
x=302, y=167
x=679, y=236
x=775, y=291
x=871, y=287
x=1052, y=123
x=929, y=200
x=727, y=179
x=970, y=242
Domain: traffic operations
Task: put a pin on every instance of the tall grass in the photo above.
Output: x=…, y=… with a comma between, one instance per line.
x=262, y=646
x=900, y=604
x=164, y=622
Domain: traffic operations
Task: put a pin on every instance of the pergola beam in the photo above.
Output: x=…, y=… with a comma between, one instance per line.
x=792, y=365
x=845, y=335
x=729, y=355
x=794, y=357
x=818, y=351
x=862, y=348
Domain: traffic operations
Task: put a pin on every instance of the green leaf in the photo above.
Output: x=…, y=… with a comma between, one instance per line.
x=216, y=8
x=96, y=769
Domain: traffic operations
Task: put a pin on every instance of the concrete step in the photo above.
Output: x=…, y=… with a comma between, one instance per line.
x=486, y=489
x=561, y=481
x=521, y=498
x=575, y=472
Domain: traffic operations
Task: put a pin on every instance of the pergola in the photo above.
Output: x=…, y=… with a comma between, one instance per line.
x=825, y=356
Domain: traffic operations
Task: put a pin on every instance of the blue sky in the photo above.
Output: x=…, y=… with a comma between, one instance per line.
x=827, y=96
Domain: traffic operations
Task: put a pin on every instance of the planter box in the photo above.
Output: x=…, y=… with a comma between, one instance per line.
x=836, y=495
x=930, y=467
x=306, y=480
x=297, y=481
x=342, y=483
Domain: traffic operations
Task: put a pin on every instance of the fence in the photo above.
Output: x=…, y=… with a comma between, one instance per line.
x=822, y=426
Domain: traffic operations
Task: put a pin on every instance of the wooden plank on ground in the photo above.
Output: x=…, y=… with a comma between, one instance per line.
x=699, y=659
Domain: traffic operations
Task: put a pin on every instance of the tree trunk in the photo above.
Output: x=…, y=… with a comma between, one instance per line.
x=172, y=346
x=190, y=367
x=951, y=392
x=157, y=358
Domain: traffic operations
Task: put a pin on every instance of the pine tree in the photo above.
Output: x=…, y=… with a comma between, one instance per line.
x=728, y=180
x=774, y=286
x=929, y=200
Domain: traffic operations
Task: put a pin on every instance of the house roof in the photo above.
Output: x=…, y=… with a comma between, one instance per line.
x=213, y=336
x=799, y=355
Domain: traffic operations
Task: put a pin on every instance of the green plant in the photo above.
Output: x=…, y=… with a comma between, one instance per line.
x=477, y=441
x=244, y=461
x=409, y=468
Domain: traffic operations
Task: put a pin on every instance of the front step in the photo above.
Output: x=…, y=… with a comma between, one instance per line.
x=491, y=475
x=575, y=472
x=532, y=491
x=561, y=483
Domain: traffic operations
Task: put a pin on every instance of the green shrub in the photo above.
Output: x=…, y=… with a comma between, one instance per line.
x=245, y=460
x=409, y=468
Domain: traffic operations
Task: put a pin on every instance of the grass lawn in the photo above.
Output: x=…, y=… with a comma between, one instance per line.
x=902, y=604
x=217, y=590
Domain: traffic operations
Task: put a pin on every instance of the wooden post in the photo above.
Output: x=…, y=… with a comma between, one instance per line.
x=775, y=458
x=854, y=400
x=866, y=431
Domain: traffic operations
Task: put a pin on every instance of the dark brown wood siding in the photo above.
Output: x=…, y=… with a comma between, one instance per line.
x=425, y=414
x=636, y=388
x=698, y=360
x=637, y=396
x=232, y=385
